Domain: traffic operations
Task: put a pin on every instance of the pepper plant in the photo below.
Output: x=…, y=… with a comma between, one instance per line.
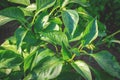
x=52, y=34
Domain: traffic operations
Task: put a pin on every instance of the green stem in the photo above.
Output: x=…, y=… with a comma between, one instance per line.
x=83, y=51
x=111, y=35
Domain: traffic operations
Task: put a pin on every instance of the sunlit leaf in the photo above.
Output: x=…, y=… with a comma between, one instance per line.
x=33, y=59
x=70, y=19
x=52, y=27
x=11, y=13
x=90, y=33
x=44, y=4
x=24, y=2
x=82, y=68
x=46, y=68
x=41, y=22
x=55, y=37
x=84, y=3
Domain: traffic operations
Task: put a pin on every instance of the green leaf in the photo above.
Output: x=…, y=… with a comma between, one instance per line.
x=11, y=13
x=84, y=3
x=76, y=51
x=83, y=69
x=41, y=22
x=56, y=20
x=101, y=75
x=47, y=68
x=65, y=53
x=90, y=33
x=44, y=4
x=102, y=29
x=9, y=45
x=78, y=34
x=83, y=13
x=4, y=20
x=52, y=27
x=69, y=75
x=64, y=3
x=33, y=59
x=9, y=59
x=70, y=20
x=28, y=11
x=20, y=34
x=24, y=2
x=108, y=62
x=30, y=38
x=31, y=7
x=55, y=37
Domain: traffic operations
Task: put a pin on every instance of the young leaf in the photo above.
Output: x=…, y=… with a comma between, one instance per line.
x=9, y=59
x=90, y=33
x=11, y=13
x=82, y=68
x=108, y=62
x=55, y=37
x=70, y=20
x=44, y=4
x=24, y=2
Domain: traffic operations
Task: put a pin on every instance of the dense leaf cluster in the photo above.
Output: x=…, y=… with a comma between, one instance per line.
x=41, y=49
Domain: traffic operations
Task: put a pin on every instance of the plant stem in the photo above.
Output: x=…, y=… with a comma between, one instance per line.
x=111, y=35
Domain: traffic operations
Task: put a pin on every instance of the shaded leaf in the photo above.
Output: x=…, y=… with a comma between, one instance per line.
x=9, y=59
x=101, y=75
x=108, y=62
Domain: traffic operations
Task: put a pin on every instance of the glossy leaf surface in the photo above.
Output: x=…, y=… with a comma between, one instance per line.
x=70, y=19
x=82, y=68
x=90, y=33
